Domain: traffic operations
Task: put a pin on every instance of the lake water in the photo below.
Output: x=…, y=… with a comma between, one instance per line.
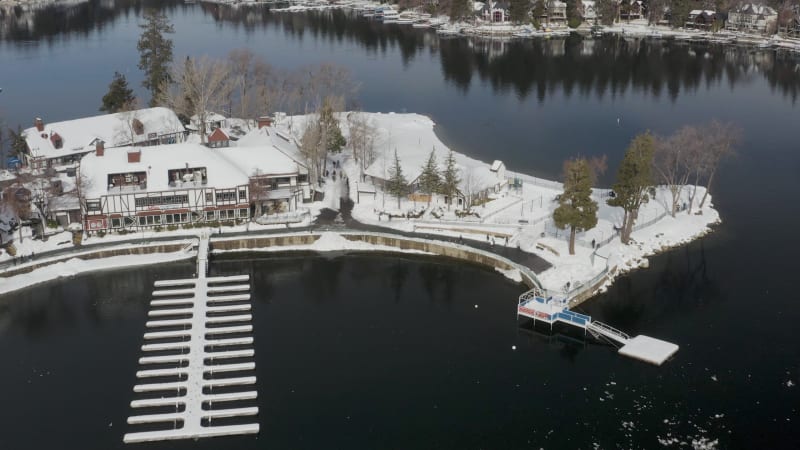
x=378, y=352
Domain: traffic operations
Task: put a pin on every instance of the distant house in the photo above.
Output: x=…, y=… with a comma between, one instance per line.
x=63, y=143
x=497, y=12
x=588, y=10
x=556, y=12
x=212, y=121
x=752, y=17
x=701, y=19
x=220, y=138
x=631, y=9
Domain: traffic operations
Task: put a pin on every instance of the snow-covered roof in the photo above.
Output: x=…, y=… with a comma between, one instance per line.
x=79, y=135
x=211, y=116
x=477, y=6
x=413, y=137
x=260, y=160
x=271, y=137
x=6, y=175
x=758, y=9
x=157, y=162
x=697, y=12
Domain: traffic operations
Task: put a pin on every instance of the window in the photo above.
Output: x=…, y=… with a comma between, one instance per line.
x=243, y=195
x=143, y=202
x=226, y=196
x=142, y=220
x=116, y=223
x=210, y=215
x=93, y=205
x=168, y=218
x=243, y=213
x=209, y=197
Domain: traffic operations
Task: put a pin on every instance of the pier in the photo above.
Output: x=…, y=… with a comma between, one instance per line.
x=536, y=305
x=198, y=341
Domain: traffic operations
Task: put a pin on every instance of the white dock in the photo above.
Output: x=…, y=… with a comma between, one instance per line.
x=199, y=340
x=535, y=305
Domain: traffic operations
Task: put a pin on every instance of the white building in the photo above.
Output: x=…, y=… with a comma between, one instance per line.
x=752, y=17
x=134, y=187
x=588, y=10
x=64, y=143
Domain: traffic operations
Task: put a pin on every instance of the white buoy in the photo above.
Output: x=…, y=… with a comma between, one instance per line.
x=513, y=347
x=476, y=306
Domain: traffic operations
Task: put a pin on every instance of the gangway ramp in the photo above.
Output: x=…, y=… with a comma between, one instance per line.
x=538, y=306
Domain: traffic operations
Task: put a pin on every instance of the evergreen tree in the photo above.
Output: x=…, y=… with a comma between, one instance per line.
x=460, y=9
x=518, y=10
x=155, y=53
x=634, y=179
x=679, y=12
x=329, y=124
x=537, y=12
x=430, y=180
x=119, y=96
x=450, y=178
x=573, y=15
x=576, y=208
x=397, y=184
x=607, y=11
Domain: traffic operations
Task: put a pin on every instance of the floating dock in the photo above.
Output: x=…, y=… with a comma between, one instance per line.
x=535, y=305
x=199, y=341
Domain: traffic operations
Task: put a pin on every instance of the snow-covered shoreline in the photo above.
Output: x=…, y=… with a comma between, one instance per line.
x=517, y=216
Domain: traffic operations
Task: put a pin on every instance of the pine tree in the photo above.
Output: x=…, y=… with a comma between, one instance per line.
x=634, y=179
x=460, y=9
x=397, y=184
x=155, y=53
x=430, y=180
x=519, y=10
x=119, y=96
x=576, y=208
x=450, y=178
x=334, y=141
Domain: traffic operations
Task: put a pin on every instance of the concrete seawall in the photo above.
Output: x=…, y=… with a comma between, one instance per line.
x=401, y=243
x=142, y=249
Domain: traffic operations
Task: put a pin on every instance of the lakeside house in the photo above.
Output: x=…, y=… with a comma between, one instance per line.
x=588, y=10
x=631, y=9
x=62, y=144
x=496, y=12
x=701, y=19
x=752, y=17
x=136, y=187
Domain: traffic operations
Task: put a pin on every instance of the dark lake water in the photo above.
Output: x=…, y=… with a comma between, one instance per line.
x=373, y=352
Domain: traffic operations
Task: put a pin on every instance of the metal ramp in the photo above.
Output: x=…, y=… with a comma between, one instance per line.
x=602, y=330
x=197, y=373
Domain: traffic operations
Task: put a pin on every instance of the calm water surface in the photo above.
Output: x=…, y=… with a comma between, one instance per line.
x=390, y=353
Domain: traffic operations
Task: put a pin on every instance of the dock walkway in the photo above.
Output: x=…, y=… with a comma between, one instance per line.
x=199, y=340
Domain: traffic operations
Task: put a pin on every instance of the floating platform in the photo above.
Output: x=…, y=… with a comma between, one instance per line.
x=536, y=305
x=647, y=349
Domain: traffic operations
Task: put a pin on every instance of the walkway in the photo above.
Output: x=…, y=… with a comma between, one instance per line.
x=199, y=339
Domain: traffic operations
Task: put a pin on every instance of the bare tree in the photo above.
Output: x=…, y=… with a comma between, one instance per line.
x=672, y=160
x=723, y=138
x=362, y=138
x=242, y=65
x=312, y=147
x=202, y=87
x=469, y=187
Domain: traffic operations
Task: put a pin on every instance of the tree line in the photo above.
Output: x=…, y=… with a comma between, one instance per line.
x=682, y=161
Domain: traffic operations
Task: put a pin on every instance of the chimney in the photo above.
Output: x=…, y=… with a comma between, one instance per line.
x=39, y=124
x=134, y=155
x=99, y=148
x=264, y=121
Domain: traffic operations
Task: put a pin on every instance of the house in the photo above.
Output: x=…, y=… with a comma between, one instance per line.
x=556, y=12
x=588, y=10
x=63, y=143
x=752, y=17
x=220, y=138
x=497, y=12
x=631, y=9
x=211, y=120
x=792, y=29
x=136, y=187
x=413, y=139
x=701, y=19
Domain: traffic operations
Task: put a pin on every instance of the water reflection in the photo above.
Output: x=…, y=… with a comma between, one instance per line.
x=607, y=67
